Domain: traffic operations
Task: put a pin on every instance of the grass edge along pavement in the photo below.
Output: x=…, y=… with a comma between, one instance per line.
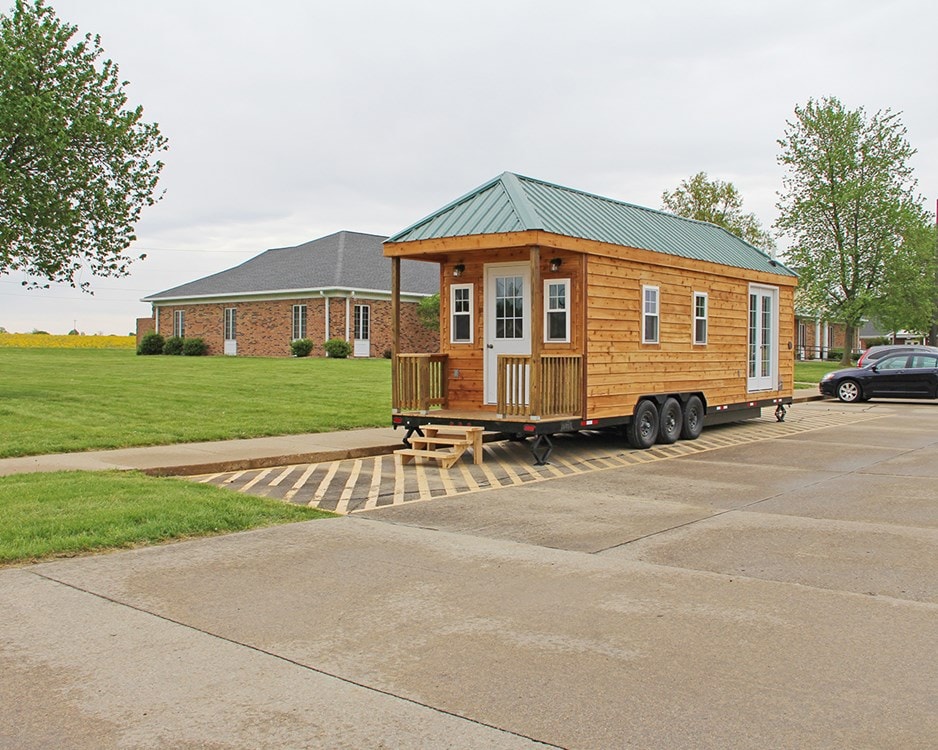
x=64, y=514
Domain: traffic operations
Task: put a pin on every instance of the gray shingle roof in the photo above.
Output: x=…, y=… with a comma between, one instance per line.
x=344, y=260
x=513, y=203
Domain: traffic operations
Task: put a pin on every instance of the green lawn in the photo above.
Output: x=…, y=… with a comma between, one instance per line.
x=62, y=400
x=810, y=373
x=68, y=513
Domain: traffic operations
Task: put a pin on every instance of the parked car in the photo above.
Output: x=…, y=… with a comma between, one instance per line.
x=883, y=350
x=907, y=375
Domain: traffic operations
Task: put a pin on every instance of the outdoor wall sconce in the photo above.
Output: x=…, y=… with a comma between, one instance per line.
x=458, y=269
x=555, y=264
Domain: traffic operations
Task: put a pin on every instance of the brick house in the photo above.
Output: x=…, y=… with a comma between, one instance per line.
x=816, y=337
x=338, y=286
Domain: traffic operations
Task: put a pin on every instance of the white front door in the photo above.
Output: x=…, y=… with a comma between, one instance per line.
x=362, y=331
x=231, y=328
x=507, y=318
x=763, y=338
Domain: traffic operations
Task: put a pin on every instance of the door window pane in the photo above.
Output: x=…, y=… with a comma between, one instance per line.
x=509, y=307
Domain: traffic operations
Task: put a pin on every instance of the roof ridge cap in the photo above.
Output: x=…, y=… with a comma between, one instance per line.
x=527, y=213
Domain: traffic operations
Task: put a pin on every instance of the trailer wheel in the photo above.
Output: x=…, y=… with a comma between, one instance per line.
x=670, y=422
x=693, y=419
x=642, y=431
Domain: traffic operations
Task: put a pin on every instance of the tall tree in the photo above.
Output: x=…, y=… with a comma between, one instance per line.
x=848, y=204
x=77, y=165
x=909, y=292
x=719, y=203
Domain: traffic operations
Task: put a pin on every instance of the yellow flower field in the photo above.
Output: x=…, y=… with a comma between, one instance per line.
x=47, y=341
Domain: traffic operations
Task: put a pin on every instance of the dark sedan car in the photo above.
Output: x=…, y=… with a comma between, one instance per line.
x=884, y=350
x=912, y=375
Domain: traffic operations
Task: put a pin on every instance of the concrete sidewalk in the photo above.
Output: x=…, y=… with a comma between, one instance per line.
x=232, y=455
x=223, y=455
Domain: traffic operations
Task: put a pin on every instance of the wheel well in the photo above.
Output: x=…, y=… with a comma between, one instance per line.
x=682, y=398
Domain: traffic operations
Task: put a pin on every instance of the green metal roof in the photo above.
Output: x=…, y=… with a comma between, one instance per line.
x=513, y=203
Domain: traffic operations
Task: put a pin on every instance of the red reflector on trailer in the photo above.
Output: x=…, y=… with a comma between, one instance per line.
x=529, y=428
x=587, y=422
x=397, y=420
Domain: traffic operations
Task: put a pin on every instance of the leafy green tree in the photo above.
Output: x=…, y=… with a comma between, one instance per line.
x=76, y=164
x=428, y=311
x=848, y=204
x=909, y=292
x=719, y=203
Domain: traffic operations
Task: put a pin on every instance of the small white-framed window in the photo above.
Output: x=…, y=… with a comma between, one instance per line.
x=460, y=307
x=231, y=328
x=299, y=322
x=700, y=317
x=179, y=323
x=557, y=310
x=650, y=315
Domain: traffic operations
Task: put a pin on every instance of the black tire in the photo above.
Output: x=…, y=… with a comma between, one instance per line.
x=849, y=391
x=670, y=422
x=693, y=419
x=642, y=431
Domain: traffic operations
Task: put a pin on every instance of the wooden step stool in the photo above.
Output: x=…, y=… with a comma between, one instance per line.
x=455, y=439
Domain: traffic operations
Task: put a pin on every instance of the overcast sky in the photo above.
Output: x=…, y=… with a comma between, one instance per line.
x=294, y=119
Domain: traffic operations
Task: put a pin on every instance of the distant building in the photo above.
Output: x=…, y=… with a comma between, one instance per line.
x=338, y=286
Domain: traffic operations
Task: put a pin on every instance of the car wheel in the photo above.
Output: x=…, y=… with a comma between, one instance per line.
x=693, y=419
x=849, y=391
x=643, y=429
x=669, y=422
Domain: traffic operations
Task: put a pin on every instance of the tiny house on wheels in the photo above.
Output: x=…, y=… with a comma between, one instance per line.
x=562, y=311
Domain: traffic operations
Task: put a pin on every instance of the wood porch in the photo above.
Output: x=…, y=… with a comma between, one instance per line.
x=530, y=387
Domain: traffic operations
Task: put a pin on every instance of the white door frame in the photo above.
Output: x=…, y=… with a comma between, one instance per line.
x=763, y=333
x=362, y=325
x=494, y=344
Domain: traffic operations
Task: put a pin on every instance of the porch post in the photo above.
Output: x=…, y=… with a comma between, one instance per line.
x=395, y=330
x=537, y=333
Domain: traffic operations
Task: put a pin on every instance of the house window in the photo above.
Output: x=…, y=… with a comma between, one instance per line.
x=299, y=322
x=700, y=317
x=650, y=315
x=179, y=323
x=556, y=310
x=230, y=328
x=460, y=305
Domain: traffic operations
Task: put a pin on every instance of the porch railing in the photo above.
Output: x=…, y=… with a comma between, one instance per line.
x=557, y=391
x=420, y=383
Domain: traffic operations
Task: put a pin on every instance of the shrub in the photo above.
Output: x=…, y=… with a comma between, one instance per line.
x=173, y=345
x=151, y=343
x=194, y=347
x=337, y=348
x=388, y=354
x=301, y=347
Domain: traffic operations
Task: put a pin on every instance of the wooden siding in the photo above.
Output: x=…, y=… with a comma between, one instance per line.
x=621, y=368
x=466, y=362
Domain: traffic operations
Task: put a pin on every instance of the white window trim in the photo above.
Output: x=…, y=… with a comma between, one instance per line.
x=656, y=314
x=179, y=323
x=358, y=318
x=470, y=314
x=304, y=323
x=230, y=323
x=705, y=318
x=566, y=311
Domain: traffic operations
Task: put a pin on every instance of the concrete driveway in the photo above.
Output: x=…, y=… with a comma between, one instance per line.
x=780, y=594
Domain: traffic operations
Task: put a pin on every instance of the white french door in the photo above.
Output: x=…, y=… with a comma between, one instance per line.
x=507, y=318
x=362, y=331
x=763, y=338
